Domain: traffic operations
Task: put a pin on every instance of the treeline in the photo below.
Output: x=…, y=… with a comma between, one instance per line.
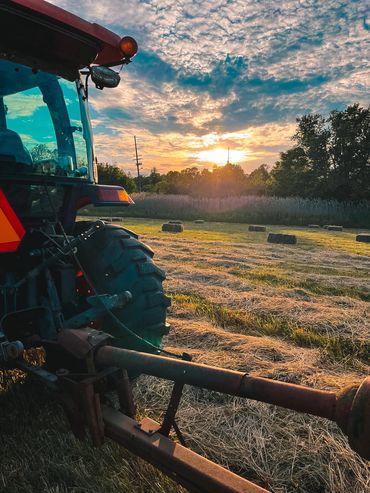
x=330, y=159
x=222, y=181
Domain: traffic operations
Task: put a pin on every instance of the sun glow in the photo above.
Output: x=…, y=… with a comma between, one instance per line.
x=219, y=156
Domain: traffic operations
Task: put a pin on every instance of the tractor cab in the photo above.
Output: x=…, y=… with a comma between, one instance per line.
x=44, y=125
x=57, y=272
x=48, y=57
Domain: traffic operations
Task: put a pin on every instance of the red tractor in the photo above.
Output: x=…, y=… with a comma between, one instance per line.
x=65, y=274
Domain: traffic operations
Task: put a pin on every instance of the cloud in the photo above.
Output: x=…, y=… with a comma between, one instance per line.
x=214, y=68
x=150, y=67
x=22, y=105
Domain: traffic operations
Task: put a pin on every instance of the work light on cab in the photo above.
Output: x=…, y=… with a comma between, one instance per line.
x=128, y=47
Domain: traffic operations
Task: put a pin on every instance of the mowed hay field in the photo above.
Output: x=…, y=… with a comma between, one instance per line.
x=296, y=313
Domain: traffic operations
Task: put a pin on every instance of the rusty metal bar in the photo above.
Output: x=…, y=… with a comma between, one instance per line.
x=179, y=435
x=172, y=408
x=191, y=470
x=295, y=397
x=125, y=396
x=91, y=405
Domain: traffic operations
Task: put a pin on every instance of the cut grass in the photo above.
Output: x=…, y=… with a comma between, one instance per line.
x=311, y=455
x=323, y=270
x=275, y=277
x=39, y=454
x=238, y=233
x=344, y=241
x=250, y=323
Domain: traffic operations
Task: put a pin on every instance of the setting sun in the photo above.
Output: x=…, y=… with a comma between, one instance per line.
x=220, y=156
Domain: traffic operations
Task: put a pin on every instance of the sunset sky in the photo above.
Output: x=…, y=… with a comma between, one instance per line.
x=217, y=74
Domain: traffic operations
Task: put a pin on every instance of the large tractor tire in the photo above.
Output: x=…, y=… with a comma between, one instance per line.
x=115, y=261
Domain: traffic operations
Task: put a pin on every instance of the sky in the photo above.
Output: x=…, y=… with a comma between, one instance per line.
x=213, y=75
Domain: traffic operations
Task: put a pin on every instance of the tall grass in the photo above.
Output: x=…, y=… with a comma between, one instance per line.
x=247, y=209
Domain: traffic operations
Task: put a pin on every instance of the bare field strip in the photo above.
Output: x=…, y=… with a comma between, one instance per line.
x=293, y=313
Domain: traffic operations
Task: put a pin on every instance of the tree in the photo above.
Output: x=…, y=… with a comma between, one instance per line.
x=349, y=151
x=331, y=158
x=312, y=136
x=41, y=152
x=223, y=181
x=291, y=175
x=258, y=181
x=148, y=183
x=113, y=175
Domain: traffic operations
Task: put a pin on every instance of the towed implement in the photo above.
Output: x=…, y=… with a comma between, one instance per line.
x=88, y=292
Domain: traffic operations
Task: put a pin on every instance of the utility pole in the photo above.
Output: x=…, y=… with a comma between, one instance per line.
x=138, y=164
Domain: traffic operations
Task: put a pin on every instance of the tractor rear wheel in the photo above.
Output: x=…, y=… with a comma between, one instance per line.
x=115, y=261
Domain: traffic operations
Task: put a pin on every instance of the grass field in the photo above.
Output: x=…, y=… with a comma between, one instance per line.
x=295, y=313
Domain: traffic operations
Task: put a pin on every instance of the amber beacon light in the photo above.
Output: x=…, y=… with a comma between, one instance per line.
x=128, y=47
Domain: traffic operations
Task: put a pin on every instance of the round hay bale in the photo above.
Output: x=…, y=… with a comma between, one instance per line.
x=281, y=238
x=117, y=219
x=363, y=237
x=254, y=227
x=333, y=227
x=199, y=221
x=175, y=222
x=172, y=228
x=314, y=226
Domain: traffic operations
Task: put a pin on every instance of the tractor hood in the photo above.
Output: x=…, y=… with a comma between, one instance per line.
x=46, y=37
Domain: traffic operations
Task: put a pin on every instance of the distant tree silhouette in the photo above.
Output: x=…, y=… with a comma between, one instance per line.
x=258, y=181
x=349, y=153
x=42, y=152
x=113, y=175
x=331, y=158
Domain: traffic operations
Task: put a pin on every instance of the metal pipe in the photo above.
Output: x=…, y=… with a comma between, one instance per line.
x=295, y=397
x=350, y=408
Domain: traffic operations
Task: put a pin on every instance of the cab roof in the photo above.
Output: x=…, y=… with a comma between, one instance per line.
x=44, y=36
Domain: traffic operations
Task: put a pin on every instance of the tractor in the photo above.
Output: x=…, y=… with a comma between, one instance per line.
x=87, y=293
x=65, y=273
